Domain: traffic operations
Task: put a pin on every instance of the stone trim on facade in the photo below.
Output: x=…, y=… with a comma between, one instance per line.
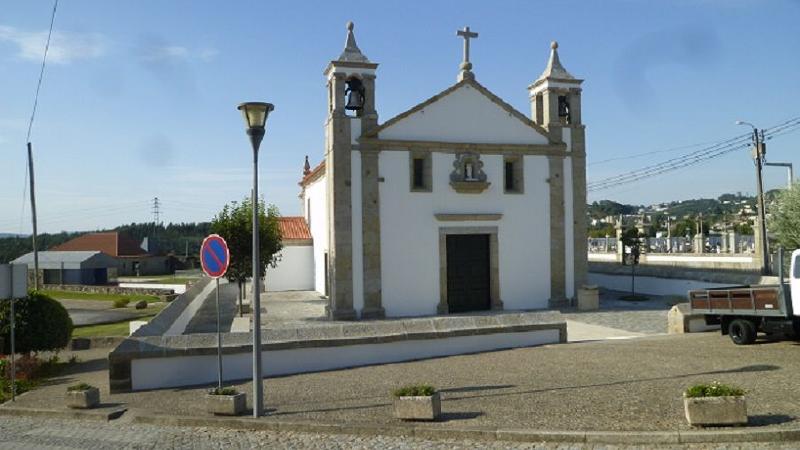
x=558, y=292
x=494, y=265
x=460, y=147
x=371, y=237
x=466, y=81
x=427, y=171
x=467, y=217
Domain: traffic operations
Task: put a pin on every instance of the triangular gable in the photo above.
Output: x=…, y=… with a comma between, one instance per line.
x=465, y=112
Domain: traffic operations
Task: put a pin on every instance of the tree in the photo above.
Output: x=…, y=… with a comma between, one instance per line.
x=633, y=241
x=235, y=224
x=784, y=219
x=41, y=324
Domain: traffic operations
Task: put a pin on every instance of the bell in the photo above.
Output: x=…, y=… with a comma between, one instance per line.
x=355, y=95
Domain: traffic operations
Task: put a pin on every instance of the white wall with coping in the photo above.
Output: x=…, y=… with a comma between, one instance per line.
x=357, y=226
x=410, y=273
x=602, y=256
x=295, y=270
x=177, y=288
x=465, y=115
x=317, y=218
x=179, y=325
x=699, y=258
x=154, y=373
x=650, y=285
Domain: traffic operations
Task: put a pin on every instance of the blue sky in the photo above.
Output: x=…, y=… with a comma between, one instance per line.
x=139, y=97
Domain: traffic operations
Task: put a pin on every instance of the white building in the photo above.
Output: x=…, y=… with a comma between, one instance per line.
x=460, y=203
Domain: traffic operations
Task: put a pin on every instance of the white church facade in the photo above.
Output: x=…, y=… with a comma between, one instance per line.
x=461, y=203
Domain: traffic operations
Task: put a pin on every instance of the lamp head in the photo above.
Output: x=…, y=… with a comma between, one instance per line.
x=255, y=114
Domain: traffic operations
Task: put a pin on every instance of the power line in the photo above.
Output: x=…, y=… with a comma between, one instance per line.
x=696, y=157
x=41, y=71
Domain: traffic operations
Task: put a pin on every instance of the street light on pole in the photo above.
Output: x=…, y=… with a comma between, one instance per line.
x=759, y=152
x=255, y=117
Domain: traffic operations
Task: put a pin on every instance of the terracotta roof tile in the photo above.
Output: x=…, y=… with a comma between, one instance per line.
x=294, y=228
x=111, y=243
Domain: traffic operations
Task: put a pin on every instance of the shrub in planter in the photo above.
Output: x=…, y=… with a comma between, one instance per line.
x=82, y=396
x=417, y=402
x=121, y=303
x=715, y=404
x=42, y=324
x=226, y=401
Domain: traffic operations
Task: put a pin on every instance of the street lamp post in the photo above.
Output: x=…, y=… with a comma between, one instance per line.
x=759, y=152
x=255, y=116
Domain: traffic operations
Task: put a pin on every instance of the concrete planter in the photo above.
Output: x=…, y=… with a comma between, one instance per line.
x=418, y=408
x=83, y=399
x=715, y=410
x=226, y=405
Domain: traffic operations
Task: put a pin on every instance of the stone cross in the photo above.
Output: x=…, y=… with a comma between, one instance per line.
x=466, y=34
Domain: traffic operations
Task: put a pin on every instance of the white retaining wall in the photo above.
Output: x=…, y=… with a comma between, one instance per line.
x=153, y=373
x=650, y=285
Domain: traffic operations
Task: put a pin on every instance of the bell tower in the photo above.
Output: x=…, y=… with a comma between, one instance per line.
x=351, y=112
x=556, y=105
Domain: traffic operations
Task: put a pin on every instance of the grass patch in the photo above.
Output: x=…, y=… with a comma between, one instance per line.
x=113, y=329
x=70, y=295
x=634, y=298
x=106, y=329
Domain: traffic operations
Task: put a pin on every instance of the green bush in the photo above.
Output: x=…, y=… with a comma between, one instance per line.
x=80, y=387
x=42, y=324
x=223, y=391
x=417, y=390
x=121, y=302
x=715, y=389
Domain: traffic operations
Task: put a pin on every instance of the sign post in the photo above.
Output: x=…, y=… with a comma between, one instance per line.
x=13, y=285
x=214, y=258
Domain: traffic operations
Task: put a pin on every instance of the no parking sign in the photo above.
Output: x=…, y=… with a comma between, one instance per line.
x=214, y=256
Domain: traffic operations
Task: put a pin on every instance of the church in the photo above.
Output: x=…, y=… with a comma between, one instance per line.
x=459, y=204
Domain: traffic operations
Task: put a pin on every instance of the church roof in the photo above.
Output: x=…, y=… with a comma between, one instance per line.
x=466, y=81
x=351, y=52
x=313, y=175
x=294, y=228
x=554, y=70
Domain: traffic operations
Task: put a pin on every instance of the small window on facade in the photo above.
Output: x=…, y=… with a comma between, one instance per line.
x=513, y=182
x=420, y=171
x=509, y=175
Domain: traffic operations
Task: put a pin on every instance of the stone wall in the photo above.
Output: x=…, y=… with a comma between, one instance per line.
x=108, y=289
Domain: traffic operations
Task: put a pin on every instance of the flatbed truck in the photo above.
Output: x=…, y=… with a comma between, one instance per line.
x=744, y=311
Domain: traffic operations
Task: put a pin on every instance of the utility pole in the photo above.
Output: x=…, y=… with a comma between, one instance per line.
x=33, y=219
x=759, y=153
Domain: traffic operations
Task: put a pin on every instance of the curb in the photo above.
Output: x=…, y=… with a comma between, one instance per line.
x=87, y=414
x=487, y=434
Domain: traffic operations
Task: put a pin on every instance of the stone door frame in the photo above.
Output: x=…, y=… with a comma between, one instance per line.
x=495, y=303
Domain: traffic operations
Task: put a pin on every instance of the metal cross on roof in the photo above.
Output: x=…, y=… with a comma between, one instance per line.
x=467, y=35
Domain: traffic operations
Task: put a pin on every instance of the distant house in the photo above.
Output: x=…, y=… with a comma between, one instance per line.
x=131, y=258
x=295, y=269
x=72, y=267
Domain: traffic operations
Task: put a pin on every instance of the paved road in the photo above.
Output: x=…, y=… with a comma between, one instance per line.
x=29, y=433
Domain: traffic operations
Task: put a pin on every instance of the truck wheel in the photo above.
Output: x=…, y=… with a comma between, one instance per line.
x=742, y=332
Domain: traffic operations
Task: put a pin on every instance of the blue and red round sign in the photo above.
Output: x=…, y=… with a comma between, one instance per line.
x=214, y=256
